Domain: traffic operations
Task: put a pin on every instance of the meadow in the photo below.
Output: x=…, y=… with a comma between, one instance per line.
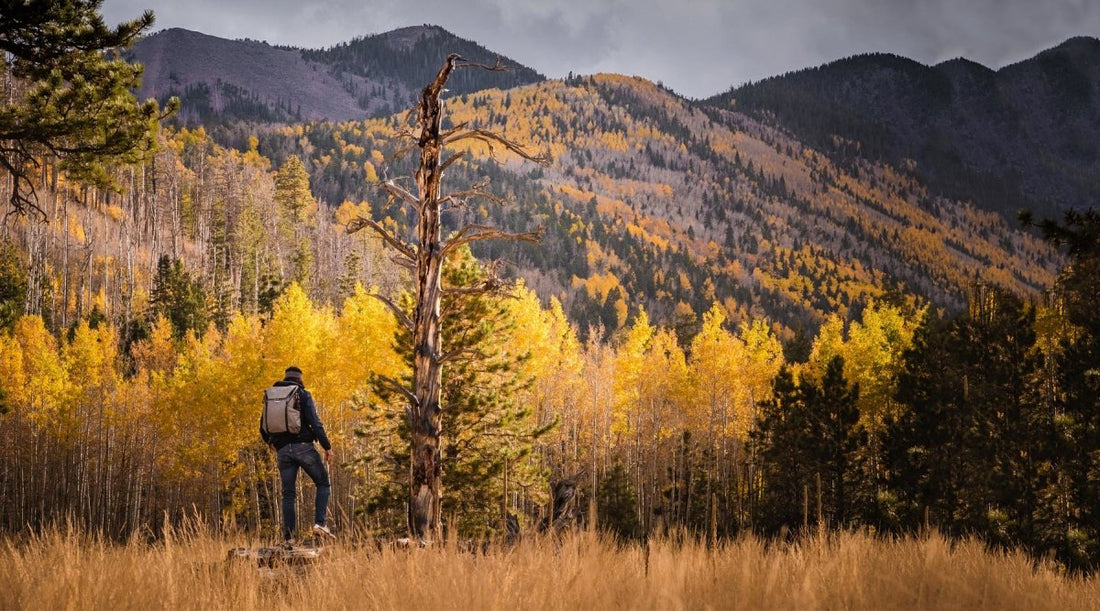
x=69, y=570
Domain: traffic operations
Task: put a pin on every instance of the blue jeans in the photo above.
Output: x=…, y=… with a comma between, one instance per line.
x=290, y=458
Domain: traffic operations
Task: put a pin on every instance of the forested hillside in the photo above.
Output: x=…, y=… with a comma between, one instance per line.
x=1024, y=136
x=653, y=202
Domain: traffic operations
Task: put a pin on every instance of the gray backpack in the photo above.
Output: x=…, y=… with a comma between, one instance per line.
x=281, y=411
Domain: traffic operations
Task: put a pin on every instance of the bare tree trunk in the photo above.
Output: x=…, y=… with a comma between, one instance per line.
x=426, y=258
x=426, y=468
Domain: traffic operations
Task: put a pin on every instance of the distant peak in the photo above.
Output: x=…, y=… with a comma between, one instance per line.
x=876, y=60
x=408, y=36
x=1081, y=42
x=415, y=29
x=1082, y=48
x=961, y=62
x=179, y=32
x=962, y=65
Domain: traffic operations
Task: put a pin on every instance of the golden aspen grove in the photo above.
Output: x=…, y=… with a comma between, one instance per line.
x=772, y=371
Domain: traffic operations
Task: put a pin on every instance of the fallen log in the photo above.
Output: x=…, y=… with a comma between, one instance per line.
x=279, y=556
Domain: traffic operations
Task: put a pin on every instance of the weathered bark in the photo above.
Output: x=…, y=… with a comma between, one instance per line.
x=426, y=258
x=426, y=468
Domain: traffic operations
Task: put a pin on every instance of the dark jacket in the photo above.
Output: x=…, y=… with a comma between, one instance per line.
x=312, y=429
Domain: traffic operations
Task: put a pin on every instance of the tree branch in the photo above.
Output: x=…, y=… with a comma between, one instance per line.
x=490, y=138
x=477, y=233
x=460, y=353
x=498, y=65
x=360, y=222
x=453, y=158
x=454, y=130
x=401, y=261
x=489, y=285
x=401, y=316
x=480, y=189
x=394, y=385
x=400, y=192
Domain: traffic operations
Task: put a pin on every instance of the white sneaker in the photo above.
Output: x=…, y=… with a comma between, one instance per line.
x=322, y=530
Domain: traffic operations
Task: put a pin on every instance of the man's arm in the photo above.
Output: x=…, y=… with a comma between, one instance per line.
x=315, y=422
x=263, y=433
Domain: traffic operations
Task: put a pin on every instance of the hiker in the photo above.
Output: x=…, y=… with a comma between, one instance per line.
x=296, y=450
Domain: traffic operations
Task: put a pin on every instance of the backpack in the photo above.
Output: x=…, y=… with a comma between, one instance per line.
x=282, y=413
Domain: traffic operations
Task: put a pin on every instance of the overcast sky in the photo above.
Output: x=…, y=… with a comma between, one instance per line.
x=696, y=47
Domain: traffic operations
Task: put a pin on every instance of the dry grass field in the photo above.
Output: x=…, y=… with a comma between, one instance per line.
x=847, y=571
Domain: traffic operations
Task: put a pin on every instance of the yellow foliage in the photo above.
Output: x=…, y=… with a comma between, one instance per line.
x=370, y=174
x=628, y=367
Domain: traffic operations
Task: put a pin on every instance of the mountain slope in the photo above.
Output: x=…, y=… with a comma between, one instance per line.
x=1027, y=135
x=652, y=202
x=769, y=207
x=220, y=81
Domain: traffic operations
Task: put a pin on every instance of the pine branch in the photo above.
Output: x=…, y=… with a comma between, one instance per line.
x=463, y=354
x=399, y=388
x=400, y=192
x=453, y=158
x=498, y=65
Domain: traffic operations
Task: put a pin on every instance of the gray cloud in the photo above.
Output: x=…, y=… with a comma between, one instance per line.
x=697, y=47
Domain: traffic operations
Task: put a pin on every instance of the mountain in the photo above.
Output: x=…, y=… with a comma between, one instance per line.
x=1024, y=136
x=792, y=199
x=221, y=81
x=653, y=201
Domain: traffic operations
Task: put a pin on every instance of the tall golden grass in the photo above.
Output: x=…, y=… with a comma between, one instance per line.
x=68, y=570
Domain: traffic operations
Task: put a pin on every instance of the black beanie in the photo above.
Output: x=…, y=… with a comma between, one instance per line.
x=294, y=373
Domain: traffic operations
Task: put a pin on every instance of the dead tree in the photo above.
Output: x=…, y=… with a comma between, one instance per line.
x=425, y=258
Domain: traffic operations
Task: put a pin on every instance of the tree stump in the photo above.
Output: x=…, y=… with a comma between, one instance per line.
x=563, y=511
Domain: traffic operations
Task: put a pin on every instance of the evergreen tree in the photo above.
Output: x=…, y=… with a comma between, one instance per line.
x=68, y=92
x=784, y=472
x=178, y=298
x=1073, y=507
x=13, y=285
x=487, y=438
x=296, y=208
x=617, y=503
x=836, y=413
x=805, y=442
x=968, y=446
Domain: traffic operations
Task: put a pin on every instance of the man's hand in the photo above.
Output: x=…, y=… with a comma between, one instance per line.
x=328, y=457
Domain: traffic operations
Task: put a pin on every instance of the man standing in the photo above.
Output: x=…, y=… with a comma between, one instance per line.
x=296, y=451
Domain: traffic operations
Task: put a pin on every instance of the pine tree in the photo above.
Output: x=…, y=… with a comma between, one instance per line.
x=805, y=442
x=67, y=92
x=427, y=257
x=617, y=503
x=487, y=452
x=968, y=446
x=178, y=298
x=1074, y=517
x=296, y=208
x=13, y=285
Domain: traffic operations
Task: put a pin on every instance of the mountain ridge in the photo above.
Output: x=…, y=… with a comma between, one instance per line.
x=1023, y=136
x=220, y=80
